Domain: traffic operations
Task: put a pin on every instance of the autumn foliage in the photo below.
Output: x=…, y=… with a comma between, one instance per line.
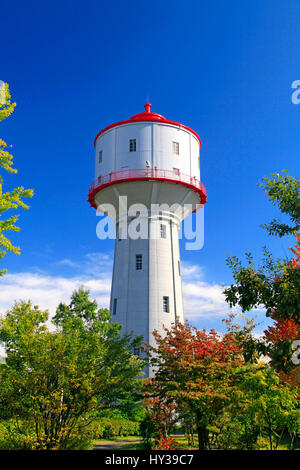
x=193, y=368
x=166, y=443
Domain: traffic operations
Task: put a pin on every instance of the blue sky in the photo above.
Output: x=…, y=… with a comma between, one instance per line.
x=224, y=68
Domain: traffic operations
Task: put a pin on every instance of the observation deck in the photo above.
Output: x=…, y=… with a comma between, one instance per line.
x=148, y=174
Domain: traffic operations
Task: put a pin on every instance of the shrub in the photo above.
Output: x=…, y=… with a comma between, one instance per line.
x=107, y=428
x=147, y=430
x=22, y=436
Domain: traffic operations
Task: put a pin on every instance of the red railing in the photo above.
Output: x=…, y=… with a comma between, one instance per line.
x=146, y=174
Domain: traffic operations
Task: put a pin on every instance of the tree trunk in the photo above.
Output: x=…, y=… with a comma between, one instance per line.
x=292, y=436
x=202, y=434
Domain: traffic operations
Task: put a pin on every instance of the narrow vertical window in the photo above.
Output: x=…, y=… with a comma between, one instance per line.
x=163, y=231
x=179, y=268
x=166, y=304
x=175, y=147
x=132, y=145
x=138, y=262
x=176, y=171
x=100, y=156
x=115, y=306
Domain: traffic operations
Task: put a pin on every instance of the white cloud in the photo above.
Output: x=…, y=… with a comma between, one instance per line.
x=191, y=271
x=48, y=290
x=67, y=262
x=202, y=300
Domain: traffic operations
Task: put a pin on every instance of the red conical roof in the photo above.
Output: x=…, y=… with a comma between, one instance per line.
x=147, y=116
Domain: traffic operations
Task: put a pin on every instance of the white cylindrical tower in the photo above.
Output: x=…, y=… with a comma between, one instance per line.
x=153, y=162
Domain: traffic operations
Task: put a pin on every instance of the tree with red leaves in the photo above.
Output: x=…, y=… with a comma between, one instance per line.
x=161, y=415
x=281, y=336
x=194, y=369
x=279, y=344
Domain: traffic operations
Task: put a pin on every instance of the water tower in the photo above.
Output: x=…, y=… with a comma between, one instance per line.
x=154, y=162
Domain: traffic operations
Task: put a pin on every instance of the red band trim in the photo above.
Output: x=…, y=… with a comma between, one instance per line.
x=143, y=175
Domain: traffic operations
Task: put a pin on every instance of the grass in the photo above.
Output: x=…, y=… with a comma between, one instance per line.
x=183, y=443
x=284, y=443
x=115, y=440
x=133, y=446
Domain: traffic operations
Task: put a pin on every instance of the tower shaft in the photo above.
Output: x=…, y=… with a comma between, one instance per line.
x=146, y=292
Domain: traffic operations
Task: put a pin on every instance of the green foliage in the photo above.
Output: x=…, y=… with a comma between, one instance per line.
x=263, y=402
x=283, y=191
x=56, y=380
x=276, y=283
x=21, y=435
x=13, y=199
x=15, y=435
x=249, y=345
x=233, y=432
x=105, y=428
x=130, y=408
x=148, y=430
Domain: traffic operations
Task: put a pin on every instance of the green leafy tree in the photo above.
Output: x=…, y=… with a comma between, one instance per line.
x=243, y=334
x=55, y=380
x=265, y=402
x=12, y=199
x=283, y=191
x=275, y=284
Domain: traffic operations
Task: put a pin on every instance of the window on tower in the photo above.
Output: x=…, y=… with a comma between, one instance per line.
x=138, y=262
x=115, y=306
x=119, y=234
x=100, y=156
x=166, y=304
x=175, y=146
x=163, y=231
x=132, y=145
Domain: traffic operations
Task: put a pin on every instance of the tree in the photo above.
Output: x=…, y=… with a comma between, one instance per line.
x=13, y=199
x=266, y=402
x=279, y=339
x=283, y=190
x=54, y=381
x=193, y=369
x=160, y=416
x=275, y=284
